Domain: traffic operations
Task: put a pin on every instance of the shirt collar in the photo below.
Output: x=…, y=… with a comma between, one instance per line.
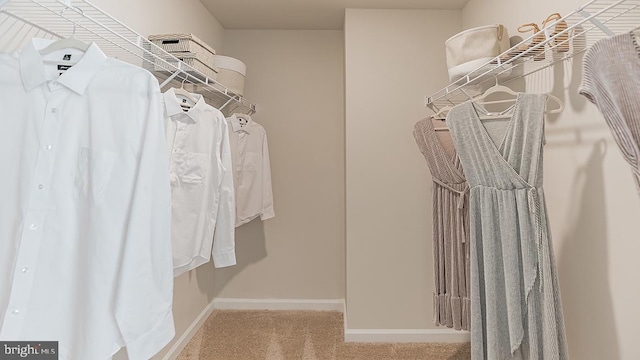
x=172, y=105
x=77, y=78
x=236, y=126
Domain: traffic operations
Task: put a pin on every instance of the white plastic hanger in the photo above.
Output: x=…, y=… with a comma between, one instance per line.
x=441, y=115
x=496, y=89
x=505, y=114
x=66, y=43
x=187, y=95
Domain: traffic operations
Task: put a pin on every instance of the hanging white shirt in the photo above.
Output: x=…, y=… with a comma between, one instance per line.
x=202, y=192
x=251, y=169
x=85, y=248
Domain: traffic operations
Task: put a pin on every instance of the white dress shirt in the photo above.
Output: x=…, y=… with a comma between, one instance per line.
x=201, y=185
x=251, y=169
x=85, y=248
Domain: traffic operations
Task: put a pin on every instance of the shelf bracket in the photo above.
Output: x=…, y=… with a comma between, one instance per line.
x=173, y=76
x=596, y=22
x=225, y=104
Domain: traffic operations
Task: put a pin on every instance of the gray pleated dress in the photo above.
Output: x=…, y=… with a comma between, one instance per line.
x=451, y=299
x=515, y=301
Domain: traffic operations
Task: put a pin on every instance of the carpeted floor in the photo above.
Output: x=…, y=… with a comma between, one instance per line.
x=298, y=335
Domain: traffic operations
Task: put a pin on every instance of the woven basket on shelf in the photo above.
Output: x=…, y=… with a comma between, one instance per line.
x=185, y=43
x=188, y=59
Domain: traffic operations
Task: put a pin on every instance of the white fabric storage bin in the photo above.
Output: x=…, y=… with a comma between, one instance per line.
x=472, y=48
x=231, y=73
x=185, y=43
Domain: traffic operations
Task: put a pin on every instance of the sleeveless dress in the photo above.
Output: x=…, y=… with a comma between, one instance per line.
x=515, y=299
x=451, y=300
x=611, y=80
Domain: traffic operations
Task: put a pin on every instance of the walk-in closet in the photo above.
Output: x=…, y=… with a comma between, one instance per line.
x=319, y=180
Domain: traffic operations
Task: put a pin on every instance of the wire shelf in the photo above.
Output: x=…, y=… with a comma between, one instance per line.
x=22, y=20
x=596, y=20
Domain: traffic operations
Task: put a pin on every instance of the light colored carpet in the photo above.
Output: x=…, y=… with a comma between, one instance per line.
x=298, y=335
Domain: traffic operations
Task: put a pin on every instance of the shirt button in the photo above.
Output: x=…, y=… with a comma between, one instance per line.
x=54, y=110
x=24, y=270
x=33, y=226
x=40, y=187
x=49, y=147
x=15, y=312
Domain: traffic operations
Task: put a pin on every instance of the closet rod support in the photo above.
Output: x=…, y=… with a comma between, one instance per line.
x=596, y=22
x=173, y=76
x=227, y=103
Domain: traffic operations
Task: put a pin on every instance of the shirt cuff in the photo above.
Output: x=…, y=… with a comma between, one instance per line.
x=267, y=214
x=227, y=258
x=149, y=344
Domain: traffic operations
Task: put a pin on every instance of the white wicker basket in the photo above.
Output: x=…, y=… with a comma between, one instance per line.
x=231, y=73
x=185, y=43
x=191, y=61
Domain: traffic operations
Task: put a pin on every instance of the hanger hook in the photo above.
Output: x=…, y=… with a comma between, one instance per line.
x=183, y=81
x=75, y=23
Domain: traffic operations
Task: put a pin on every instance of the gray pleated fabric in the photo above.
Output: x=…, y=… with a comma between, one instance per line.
x=611, y=80
x=515, y=301
x=451, y=298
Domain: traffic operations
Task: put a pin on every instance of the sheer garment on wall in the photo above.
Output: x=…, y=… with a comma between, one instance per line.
x=514, y=288
x=452, y=304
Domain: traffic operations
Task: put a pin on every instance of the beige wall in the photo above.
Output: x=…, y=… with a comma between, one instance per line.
x=166, y=17
x=296, y=78
x=593, y=205
x=393, y=59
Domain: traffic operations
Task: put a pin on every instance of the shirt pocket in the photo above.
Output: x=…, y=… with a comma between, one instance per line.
x=93, y=173
x=251, y=162
x=192, y=168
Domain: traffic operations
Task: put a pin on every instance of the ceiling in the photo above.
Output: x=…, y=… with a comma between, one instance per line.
x=306, y=14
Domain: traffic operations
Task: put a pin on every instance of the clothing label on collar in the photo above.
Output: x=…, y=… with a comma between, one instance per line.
x=63, y=68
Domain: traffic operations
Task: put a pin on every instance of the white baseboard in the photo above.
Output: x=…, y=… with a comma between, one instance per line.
x=184, y=339
x=279, y=304
x=406, y=335
x=350, y=335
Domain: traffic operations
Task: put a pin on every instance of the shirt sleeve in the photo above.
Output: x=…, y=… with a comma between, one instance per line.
x=144, y=287
x=224, y=253
x=589, y=66
x=267, y=191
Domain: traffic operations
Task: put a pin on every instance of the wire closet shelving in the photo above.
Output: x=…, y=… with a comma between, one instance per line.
x=596, y=20
x=21, y=20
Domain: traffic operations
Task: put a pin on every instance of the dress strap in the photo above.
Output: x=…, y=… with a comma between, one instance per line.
x=460, y=205
x=534, y=208
x=459, y=192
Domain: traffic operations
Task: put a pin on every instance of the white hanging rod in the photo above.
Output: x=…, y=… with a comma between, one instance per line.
x=593, y=15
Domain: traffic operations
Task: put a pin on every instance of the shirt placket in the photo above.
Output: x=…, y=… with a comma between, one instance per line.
x=177, y=144
x=38, y=207
x=242, y=145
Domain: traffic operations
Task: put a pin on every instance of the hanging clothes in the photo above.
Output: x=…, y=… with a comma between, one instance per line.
x=451, y=297
x=202, y=194
x=611, y=80
x=85, y=241
x=251, y=169
x=515, y=297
